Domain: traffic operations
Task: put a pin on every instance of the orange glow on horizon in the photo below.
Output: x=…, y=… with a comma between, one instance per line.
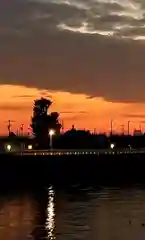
x=17, y=101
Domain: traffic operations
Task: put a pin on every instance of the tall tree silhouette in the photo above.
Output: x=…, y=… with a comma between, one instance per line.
x=42, y=122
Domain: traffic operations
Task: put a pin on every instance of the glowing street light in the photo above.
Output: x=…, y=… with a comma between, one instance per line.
x=30, y=147
x=112, y=145
x=51, y=134
x=9, y=147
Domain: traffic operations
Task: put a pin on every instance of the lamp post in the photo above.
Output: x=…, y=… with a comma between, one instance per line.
x=128, y=128
x=51, y=133
x=111, y=127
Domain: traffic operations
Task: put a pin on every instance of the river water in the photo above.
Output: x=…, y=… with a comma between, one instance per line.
x=76, y=213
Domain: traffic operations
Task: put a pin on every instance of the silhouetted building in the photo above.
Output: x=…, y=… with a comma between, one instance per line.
x=137, y=132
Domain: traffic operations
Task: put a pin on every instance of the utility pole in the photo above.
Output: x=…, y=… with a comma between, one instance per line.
x=128, y=128
x=9, y=126
x=22, y=128
x=111, y=127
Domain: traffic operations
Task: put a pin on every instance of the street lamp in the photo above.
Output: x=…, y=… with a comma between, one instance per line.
x=112, y=145
x=9, y=147
x=30, y=147
x=51, y=133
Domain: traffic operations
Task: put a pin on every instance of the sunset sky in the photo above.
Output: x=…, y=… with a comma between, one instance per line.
x=88, y=56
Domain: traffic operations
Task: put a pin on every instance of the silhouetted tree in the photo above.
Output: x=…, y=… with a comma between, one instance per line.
x=42, y=122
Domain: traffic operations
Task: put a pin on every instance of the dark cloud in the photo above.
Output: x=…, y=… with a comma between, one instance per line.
x=24, y=96
x=74, y=117
x=90, y=97
x=72, y=112
x=35, y=52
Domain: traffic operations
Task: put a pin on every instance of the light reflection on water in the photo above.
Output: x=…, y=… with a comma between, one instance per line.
x=50, y=220
x=74, y=214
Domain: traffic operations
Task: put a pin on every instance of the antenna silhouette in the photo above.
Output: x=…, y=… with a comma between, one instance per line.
x=9, y=126
x=22, y=128
x=128, y=123
x=111, y=127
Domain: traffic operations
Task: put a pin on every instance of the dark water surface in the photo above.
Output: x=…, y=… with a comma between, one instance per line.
x=75, y=213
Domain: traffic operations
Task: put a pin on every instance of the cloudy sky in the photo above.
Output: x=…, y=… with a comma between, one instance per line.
x=87, y=55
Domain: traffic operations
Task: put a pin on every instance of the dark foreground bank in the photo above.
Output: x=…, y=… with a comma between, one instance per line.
x=64, y=170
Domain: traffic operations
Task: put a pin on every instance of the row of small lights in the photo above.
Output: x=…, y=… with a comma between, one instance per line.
x=75, y=153
x=71, y=153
